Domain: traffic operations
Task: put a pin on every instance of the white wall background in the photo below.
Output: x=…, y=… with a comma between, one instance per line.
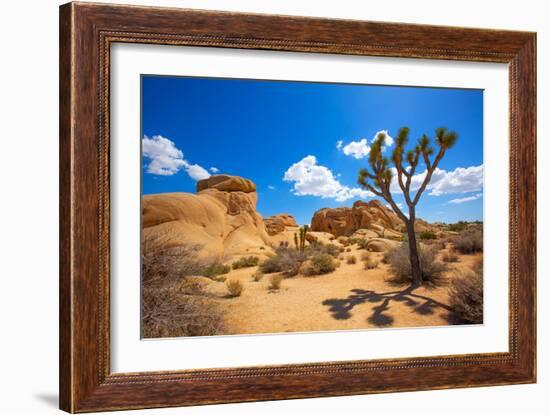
x=29, y=193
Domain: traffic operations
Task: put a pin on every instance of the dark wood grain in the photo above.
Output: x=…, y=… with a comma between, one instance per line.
x=86, y=33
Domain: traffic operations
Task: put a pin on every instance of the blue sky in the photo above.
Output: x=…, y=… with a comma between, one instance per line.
x=304, y=143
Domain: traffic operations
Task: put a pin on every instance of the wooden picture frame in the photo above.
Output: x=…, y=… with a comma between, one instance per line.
x=86, y=33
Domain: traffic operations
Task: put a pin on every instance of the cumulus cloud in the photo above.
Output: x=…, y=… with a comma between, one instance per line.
x=214, y=169
x=165, y=159
x=466, y=199
x=357, y=149
x=312, y=179
x=459, y=180
x=196, y=172
x=339, y=144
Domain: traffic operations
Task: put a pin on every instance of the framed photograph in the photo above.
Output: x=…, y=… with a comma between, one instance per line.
x=260, y=207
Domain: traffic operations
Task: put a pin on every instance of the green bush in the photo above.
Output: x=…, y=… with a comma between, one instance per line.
x=427, y=235
x=458, y=227
x=246, y=262
x=321, y=264
x=215, y=268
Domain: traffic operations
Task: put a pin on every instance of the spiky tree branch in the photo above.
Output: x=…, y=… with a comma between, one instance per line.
x=378, y=180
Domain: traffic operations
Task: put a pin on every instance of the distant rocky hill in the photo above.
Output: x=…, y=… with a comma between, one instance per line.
x=362, y=217
x=344, y=221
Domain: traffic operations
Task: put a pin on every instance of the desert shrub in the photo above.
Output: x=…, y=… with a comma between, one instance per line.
x=286, y=260
x=457, y=227
x=449, y=257
x=348, y=250
x=215, y=269
x=427, y=235
x=257, y=276
x=365, y=256
x=275, y=282
x=371, y=263
x=173, y=304
x=351, y=259
x=321, y=264
x=234, y=287
x=400, y=266
x=469, y=242
x=466, y=297
x=320, y=248
x=246, y=262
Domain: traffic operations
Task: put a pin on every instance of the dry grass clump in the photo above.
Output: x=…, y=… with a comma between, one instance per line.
x=285, y=260
x=371, y=263
x=275, y=282
x=351, y=259
x=172, y=303
x=257, y=276
x=321, y=264
x=449, y=257
x=466, y=296
x=234, y=288
x=320, y=248
x=469, y=241
x=365, y=256
x=246, y=262
x=400, y=266
x=348, y=249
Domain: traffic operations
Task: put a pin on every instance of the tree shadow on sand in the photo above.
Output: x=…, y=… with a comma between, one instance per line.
x=420, y=304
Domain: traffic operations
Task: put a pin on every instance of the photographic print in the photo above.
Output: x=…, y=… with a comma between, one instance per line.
x=289, y=206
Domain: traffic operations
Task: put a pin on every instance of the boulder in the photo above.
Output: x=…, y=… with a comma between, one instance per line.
x=278, y=223
x=381, y=245
x=221, y=218
x=344, y=221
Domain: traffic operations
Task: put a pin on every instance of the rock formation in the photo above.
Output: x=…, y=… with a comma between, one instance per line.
x=278, y=223
x=221, y=218
x=344, y=221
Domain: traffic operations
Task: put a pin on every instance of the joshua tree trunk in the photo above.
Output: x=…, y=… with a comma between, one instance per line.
x=416, y=272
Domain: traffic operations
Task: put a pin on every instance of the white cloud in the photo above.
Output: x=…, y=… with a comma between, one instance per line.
x=166, y=159
x=270, y=187
x=339, y=144
x=459, y=180
x=196, y=172
x=388, y=142
x=313, y=179
x=357, y=149
x=214, y=169
x=466, y=199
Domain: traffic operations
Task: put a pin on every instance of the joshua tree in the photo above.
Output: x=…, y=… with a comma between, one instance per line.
x=379, y=179
x=300, y=238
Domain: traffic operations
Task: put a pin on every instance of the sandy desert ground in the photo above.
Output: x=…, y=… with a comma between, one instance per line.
x=348, y=298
